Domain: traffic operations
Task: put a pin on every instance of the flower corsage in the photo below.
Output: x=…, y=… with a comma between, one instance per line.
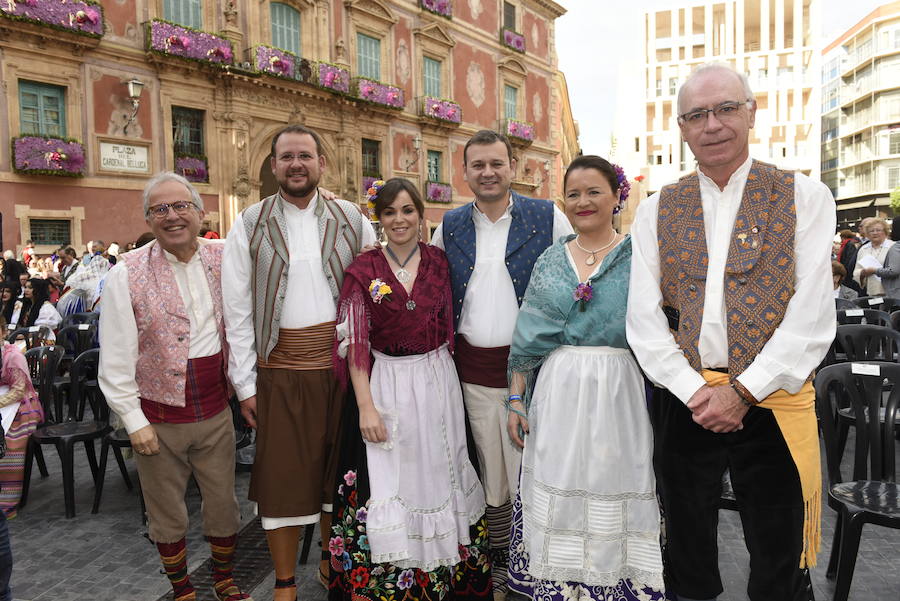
x=583, y=293
x=379, y=290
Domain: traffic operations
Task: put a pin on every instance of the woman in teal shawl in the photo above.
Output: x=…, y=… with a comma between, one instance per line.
x=586, y=521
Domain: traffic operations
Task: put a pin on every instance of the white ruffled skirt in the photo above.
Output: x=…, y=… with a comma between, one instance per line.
x=424, y=490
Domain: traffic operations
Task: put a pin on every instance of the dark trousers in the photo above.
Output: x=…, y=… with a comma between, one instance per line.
x=690, y=463
x=6, y=560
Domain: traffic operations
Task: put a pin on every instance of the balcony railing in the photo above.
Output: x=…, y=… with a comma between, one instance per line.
x=378, y=93
x=188, y=43
x=519, y=130
x=38, y=155
x=440, y=109
x=438, y=192
x=512, y=39
x=85, y=17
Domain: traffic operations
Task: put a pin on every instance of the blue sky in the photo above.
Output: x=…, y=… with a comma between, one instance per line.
x=598, y=43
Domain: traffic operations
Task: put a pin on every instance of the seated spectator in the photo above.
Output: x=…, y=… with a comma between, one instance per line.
x=12, y=268
x=838, y=273
x=8, y=296
x=15, y=387
x=39, y=310
x=68, y=263
x=83, y=288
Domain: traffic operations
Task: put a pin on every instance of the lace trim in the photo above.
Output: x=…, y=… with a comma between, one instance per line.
x=403, y=561
x=562, y=492
x=637, y=576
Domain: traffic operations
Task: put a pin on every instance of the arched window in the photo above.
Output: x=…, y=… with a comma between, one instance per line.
x=285, y=27
x=183, y=12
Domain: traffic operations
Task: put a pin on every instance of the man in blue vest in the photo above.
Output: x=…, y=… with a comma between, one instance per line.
x=492, y=244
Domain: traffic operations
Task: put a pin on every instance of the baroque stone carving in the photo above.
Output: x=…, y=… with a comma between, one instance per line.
x=537, y=106
x=403, y=62
x=475, y=8
x=475, y=83
x=534, y=35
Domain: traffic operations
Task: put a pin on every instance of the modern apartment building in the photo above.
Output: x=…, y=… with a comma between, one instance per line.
x=861, y=115
x=769, y=40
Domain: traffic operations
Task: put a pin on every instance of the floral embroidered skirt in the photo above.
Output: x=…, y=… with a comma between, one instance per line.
x=354, y=576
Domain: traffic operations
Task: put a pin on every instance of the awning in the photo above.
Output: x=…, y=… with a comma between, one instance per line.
x=855, y=205
x=884, y=201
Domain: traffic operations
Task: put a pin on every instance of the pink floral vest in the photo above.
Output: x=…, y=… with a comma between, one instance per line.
x=162, y=322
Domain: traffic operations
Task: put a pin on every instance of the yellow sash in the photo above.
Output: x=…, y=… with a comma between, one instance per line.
x=796, y=417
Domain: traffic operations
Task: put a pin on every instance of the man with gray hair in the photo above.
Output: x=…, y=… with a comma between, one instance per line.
x=729, y=311
x=163, y=361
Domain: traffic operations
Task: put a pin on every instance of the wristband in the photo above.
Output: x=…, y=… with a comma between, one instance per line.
x=745, y=395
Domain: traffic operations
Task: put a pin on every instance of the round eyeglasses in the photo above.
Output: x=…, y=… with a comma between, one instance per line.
x=180, y=207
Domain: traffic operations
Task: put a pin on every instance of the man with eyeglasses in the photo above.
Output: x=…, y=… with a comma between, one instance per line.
x=290, y=251
x=163, y=358
x=729, y=311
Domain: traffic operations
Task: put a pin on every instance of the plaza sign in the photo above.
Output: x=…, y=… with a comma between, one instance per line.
x=127, y=158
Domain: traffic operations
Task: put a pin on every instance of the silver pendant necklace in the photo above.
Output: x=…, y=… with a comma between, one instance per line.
x=593, y=253
x=403, y=276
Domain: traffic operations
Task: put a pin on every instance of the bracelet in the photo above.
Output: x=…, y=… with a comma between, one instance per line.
x=745, y=395
x=512, y=398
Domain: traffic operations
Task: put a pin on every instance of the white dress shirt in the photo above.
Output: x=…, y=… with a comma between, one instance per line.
x=489, y=309
x=798, y=343
x=119, y=332
x=308, y=297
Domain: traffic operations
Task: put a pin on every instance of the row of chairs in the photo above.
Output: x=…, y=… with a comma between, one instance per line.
x=883, y=303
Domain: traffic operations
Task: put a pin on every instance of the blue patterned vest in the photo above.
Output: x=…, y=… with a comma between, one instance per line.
x=530, y=233
x=759, y=272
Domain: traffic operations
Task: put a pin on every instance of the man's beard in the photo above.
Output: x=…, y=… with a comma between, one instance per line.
x=299, y=190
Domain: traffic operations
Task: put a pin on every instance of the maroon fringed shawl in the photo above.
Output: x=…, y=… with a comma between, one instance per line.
x=389, y=326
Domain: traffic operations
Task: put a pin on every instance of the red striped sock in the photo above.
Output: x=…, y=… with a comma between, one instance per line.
x=174, y=560
x=222, y=548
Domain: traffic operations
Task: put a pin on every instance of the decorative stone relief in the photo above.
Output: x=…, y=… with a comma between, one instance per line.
x=475, y=8
x=475, y=83
x=534, y=35
x=537, y=106
x=119, y=117
x=403, y=62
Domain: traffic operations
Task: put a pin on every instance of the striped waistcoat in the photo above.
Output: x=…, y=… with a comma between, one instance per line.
x=759, y=271
x=340, y=236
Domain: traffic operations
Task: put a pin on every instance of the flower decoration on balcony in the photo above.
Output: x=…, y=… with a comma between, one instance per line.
x=175, y=40
x=378, y=93
x=438, y=192
x=439, y=7
x=275, y=61
x=519, y=130
x=512, y=39
x=444, y=110
x=48, y=156
x=192, y=167
x=334, y=78
x=85, y=17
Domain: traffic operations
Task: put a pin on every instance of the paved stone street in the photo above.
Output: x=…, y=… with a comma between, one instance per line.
x=105, y=557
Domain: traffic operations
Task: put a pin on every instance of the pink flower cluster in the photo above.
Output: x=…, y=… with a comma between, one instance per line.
x=584, y=292
x=520, y=130
x=332, y=77
x=379, y=93
x=445, y=110
x=513, y=40
x=176, y=40
x=81, y=17
x=438, y=7
x=48, y=156
x=275, y=61
x=194, y=169
x=438, y=192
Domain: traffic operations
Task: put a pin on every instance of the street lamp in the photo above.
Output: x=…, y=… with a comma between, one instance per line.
x=417, y=144
x=135, y=87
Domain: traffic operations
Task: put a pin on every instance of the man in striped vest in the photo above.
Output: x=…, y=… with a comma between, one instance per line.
x=162, y=369
x=290, y=250
x=729, y=311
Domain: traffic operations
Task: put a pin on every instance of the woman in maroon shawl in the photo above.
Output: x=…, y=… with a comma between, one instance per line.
x=408, y=517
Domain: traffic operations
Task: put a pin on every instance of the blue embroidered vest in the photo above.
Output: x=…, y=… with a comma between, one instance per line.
x=530, y=233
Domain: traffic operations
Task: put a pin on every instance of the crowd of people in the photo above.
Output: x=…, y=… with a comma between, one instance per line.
x=521, y=407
